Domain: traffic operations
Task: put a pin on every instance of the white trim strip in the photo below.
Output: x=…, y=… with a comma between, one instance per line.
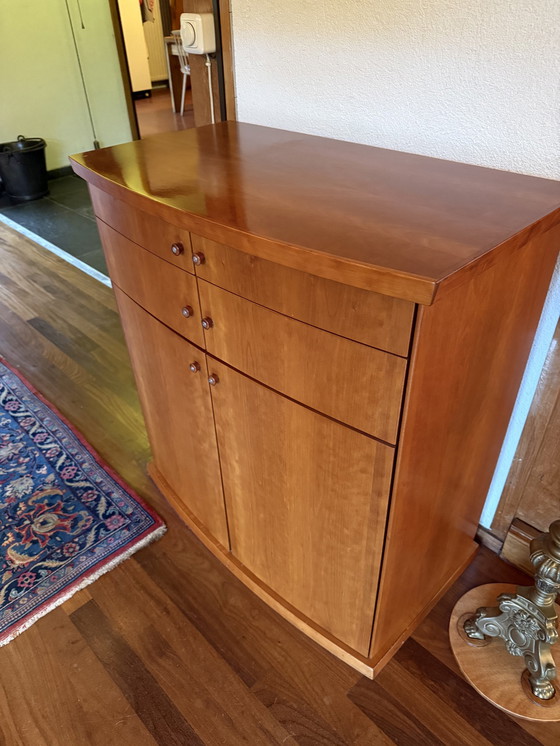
x=56, y=250
x=535, y=364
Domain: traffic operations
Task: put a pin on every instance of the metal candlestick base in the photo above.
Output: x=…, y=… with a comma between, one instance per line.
x=527, y=620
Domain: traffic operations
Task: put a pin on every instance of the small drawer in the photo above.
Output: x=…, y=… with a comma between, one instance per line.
x=165, y=291
x=373, y=319
x=349, y=381
x=167, y=241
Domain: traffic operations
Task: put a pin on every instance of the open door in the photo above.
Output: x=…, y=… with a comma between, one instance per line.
x=151, y=69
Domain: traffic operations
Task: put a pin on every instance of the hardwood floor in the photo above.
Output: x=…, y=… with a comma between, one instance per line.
x=169, y=648
x=155, y=114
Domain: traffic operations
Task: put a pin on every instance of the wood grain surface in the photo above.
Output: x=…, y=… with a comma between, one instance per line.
x=146, y=230
x=227, y=57
x=171, y=633
x=163, y=290
x=532, y=490
x=306, y=501
x=352, y=383
x=376, y=320
x=516, y=548
x=178, y=412
x=396, y=223
x=492, y=671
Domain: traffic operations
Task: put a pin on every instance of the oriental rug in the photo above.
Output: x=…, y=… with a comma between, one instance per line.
x=65, y=517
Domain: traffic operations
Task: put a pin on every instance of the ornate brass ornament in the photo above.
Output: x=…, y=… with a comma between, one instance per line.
x=527, y=620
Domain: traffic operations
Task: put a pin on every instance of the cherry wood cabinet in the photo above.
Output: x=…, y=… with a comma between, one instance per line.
x=328, y=340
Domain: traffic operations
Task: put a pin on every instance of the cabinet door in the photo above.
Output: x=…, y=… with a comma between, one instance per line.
x=178, y=413
x=306, y=500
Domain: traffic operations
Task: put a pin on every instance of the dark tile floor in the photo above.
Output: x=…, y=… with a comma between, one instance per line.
x=65, y=218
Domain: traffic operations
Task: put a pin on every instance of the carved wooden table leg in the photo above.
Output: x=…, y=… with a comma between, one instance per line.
x=527, y=620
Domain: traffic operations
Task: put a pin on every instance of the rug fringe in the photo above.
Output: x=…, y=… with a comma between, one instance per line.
x=59, y=600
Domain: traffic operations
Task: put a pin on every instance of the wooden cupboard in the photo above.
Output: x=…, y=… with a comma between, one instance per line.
x=327, y=341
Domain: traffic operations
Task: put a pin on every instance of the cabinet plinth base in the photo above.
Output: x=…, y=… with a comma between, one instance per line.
x=369, y=667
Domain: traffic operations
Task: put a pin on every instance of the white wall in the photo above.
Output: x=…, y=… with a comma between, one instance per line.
x=41, y=92
x=476, y=81
x=469, y=80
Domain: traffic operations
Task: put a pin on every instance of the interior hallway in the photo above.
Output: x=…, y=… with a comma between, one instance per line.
x=155, y=114
x=65, y=216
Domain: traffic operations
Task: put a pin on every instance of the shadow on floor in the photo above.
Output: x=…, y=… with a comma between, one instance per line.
x=65, y=218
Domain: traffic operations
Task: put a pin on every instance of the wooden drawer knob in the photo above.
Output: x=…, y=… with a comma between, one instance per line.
x=177, y=248
x=198, y=258
x=213, y=379
x=187, y=311
x=207, y=322
x=194, y=367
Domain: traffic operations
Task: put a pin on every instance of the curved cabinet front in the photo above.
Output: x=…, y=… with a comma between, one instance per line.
x=357, y=331
x=167, y=292
x=351, y=382
x=178, y=413
x=306, y=500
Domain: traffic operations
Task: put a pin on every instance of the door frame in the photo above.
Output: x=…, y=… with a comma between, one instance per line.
x=123, y=64
x=225, y=94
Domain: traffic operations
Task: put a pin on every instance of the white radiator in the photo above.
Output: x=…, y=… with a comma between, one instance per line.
x=156, y=47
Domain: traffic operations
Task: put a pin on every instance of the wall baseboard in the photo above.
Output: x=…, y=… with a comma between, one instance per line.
x=488, y=540
x=516, y=546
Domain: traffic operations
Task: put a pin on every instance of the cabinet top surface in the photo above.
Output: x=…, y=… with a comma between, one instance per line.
x=407, y=214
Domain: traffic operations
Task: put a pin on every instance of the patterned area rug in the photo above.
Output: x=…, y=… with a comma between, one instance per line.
x=65, y=517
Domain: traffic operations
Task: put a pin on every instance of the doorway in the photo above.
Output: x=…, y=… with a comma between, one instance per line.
x=154, y=73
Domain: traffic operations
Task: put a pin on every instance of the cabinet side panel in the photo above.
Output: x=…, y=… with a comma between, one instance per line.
x=469, y=354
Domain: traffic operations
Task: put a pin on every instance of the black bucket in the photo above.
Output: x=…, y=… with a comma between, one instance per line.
x=23, y=168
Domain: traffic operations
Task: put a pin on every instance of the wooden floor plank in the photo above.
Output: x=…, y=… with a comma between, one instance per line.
x=494, y=724
x=188, y=669
x=445, y=723
x=55, y=692
x=150, y=703
x=388, y=713
x=220, y=606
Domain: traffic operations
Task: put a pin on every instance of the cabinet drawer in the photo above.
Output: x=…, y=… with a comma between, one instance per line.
x=374, y=319
x=161, y=289
x=151, y=233
x=351, y=382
